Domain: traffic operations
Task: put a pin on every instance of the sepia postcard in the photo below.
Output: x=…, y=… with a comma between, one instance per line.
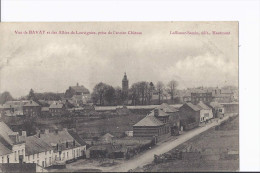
x=119, y=97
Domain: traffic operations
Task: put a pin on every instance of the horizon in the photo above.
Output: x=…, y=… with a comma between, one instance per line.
x=52, y=63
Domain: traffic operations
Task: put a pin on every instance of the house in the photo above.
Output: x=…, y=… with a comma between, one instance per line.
x=107, y=138
x=31, y=109
x=217, y=109
x=201, y=96
x=65, y=146
x=57, y=109
x=76, y=90
x=45, y=111
x=189, y=116
x=205, y=112
x=12, y=148
x=149, y=127
x=38, y=151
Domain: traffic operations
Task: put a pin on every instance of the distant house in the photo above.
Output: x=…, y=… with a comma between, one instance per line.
x=217, y=109
x=205, y=112
x=205, y=97
x=38, y=151
x=45, y=111
x=76, y=90
x=57, y=109
x=107, y=138
x=31, y=109
x=189, y=115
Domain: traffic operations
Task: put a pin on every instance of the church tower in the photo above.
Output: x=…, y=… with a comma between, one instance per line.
x=125, y=84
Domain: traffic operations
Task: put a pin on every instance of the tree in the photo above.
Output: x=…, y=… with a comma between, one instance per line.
x=109, y=95
x=160, y=88
x=5, y=96
x=151, y=90
x=171, y=88
x=98, y=93
x=103, y=94
x=31, y=95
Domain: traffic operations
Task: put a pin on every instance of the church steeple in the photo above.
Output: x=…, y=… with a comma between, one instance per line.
x=125, y=84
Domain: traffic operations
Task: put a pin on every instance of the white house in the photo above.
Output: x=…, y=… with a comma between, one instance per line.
x=66, y=145
x=12, y=149
x=38, y=151
x=205, y=112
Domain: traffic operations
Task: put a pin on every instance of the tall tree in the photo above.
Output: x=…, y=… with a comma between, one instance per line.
x=5, y=96
x=98, y=93
x=171, y=88
x=160, y=88
x=109, y=95
x=31, y=95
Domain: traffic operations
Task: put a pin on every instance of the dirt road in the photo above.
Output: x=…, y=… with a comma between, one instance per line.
x=147, y=157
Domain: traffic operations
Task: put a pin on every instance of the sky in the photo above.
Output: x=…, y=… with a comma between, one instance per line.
x=53, y=62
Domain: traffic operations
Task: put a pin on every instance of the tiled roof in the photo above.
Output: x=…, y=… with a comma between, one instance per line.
x=5, y=131
x=33, y=145
x=81, y=89
x=149, y=121
x=161, y=113
x=4, y=150
x=31, y=103
x=215, y=105
x=45, y=109
x=77, y=137
x=56, y=106
x=201, y=105
x=192, y=106
x=167, y=108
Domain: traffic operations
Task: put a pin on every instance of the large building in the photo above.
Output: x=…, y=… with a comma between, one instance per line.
x=76, y=90
x=125, y=84
x=31, y=109
x=205, y=97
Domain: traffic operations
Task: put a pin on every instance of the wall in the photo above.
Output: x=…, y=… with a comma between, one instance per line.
x=69, y=154
x=39, y=158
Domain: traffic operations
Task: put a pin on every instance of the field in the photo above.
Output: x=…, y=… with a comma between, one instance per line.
x=218, y=147
x=115, y=126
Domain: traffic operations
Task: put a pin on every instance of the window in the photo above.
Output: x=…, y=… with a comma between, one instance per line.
x=37, y=162
x=28, y=158
x=67, y=154
x=50, y=160
x=33, y=156
x=18, y=152
x=22, y=151
x=45, y=152
x=37, y=155
x=33, y=161
x=50, y=152
x=15, y=155
x=2, y=159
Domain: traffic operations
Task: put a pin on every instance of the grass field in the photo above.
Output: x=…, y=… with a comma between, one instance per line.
x=115, y=126
x=213, y=144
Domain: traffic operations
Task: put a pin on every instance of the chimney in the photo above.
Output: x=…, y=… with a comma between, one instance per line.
x=156, y=112
x=24, y=133
x=46, y=131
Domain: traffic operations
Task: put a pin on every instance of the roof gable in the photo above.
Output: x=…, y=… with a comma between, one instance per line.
x=149, y=121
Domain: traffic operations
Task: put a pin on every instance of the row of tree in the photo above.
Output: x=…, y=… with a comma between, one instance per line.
x=140, y=93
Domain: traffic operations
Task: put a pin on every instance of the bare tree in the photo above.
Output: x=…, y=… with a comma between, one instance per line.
x=171, y=88
x=160, y=88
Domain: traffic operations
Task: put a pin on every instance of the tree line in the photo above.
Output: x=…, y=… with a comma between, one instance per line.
x=140, y=93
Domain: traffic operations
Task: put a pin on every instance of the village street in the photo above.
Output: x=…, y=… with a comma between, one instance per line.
x=148, y=156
